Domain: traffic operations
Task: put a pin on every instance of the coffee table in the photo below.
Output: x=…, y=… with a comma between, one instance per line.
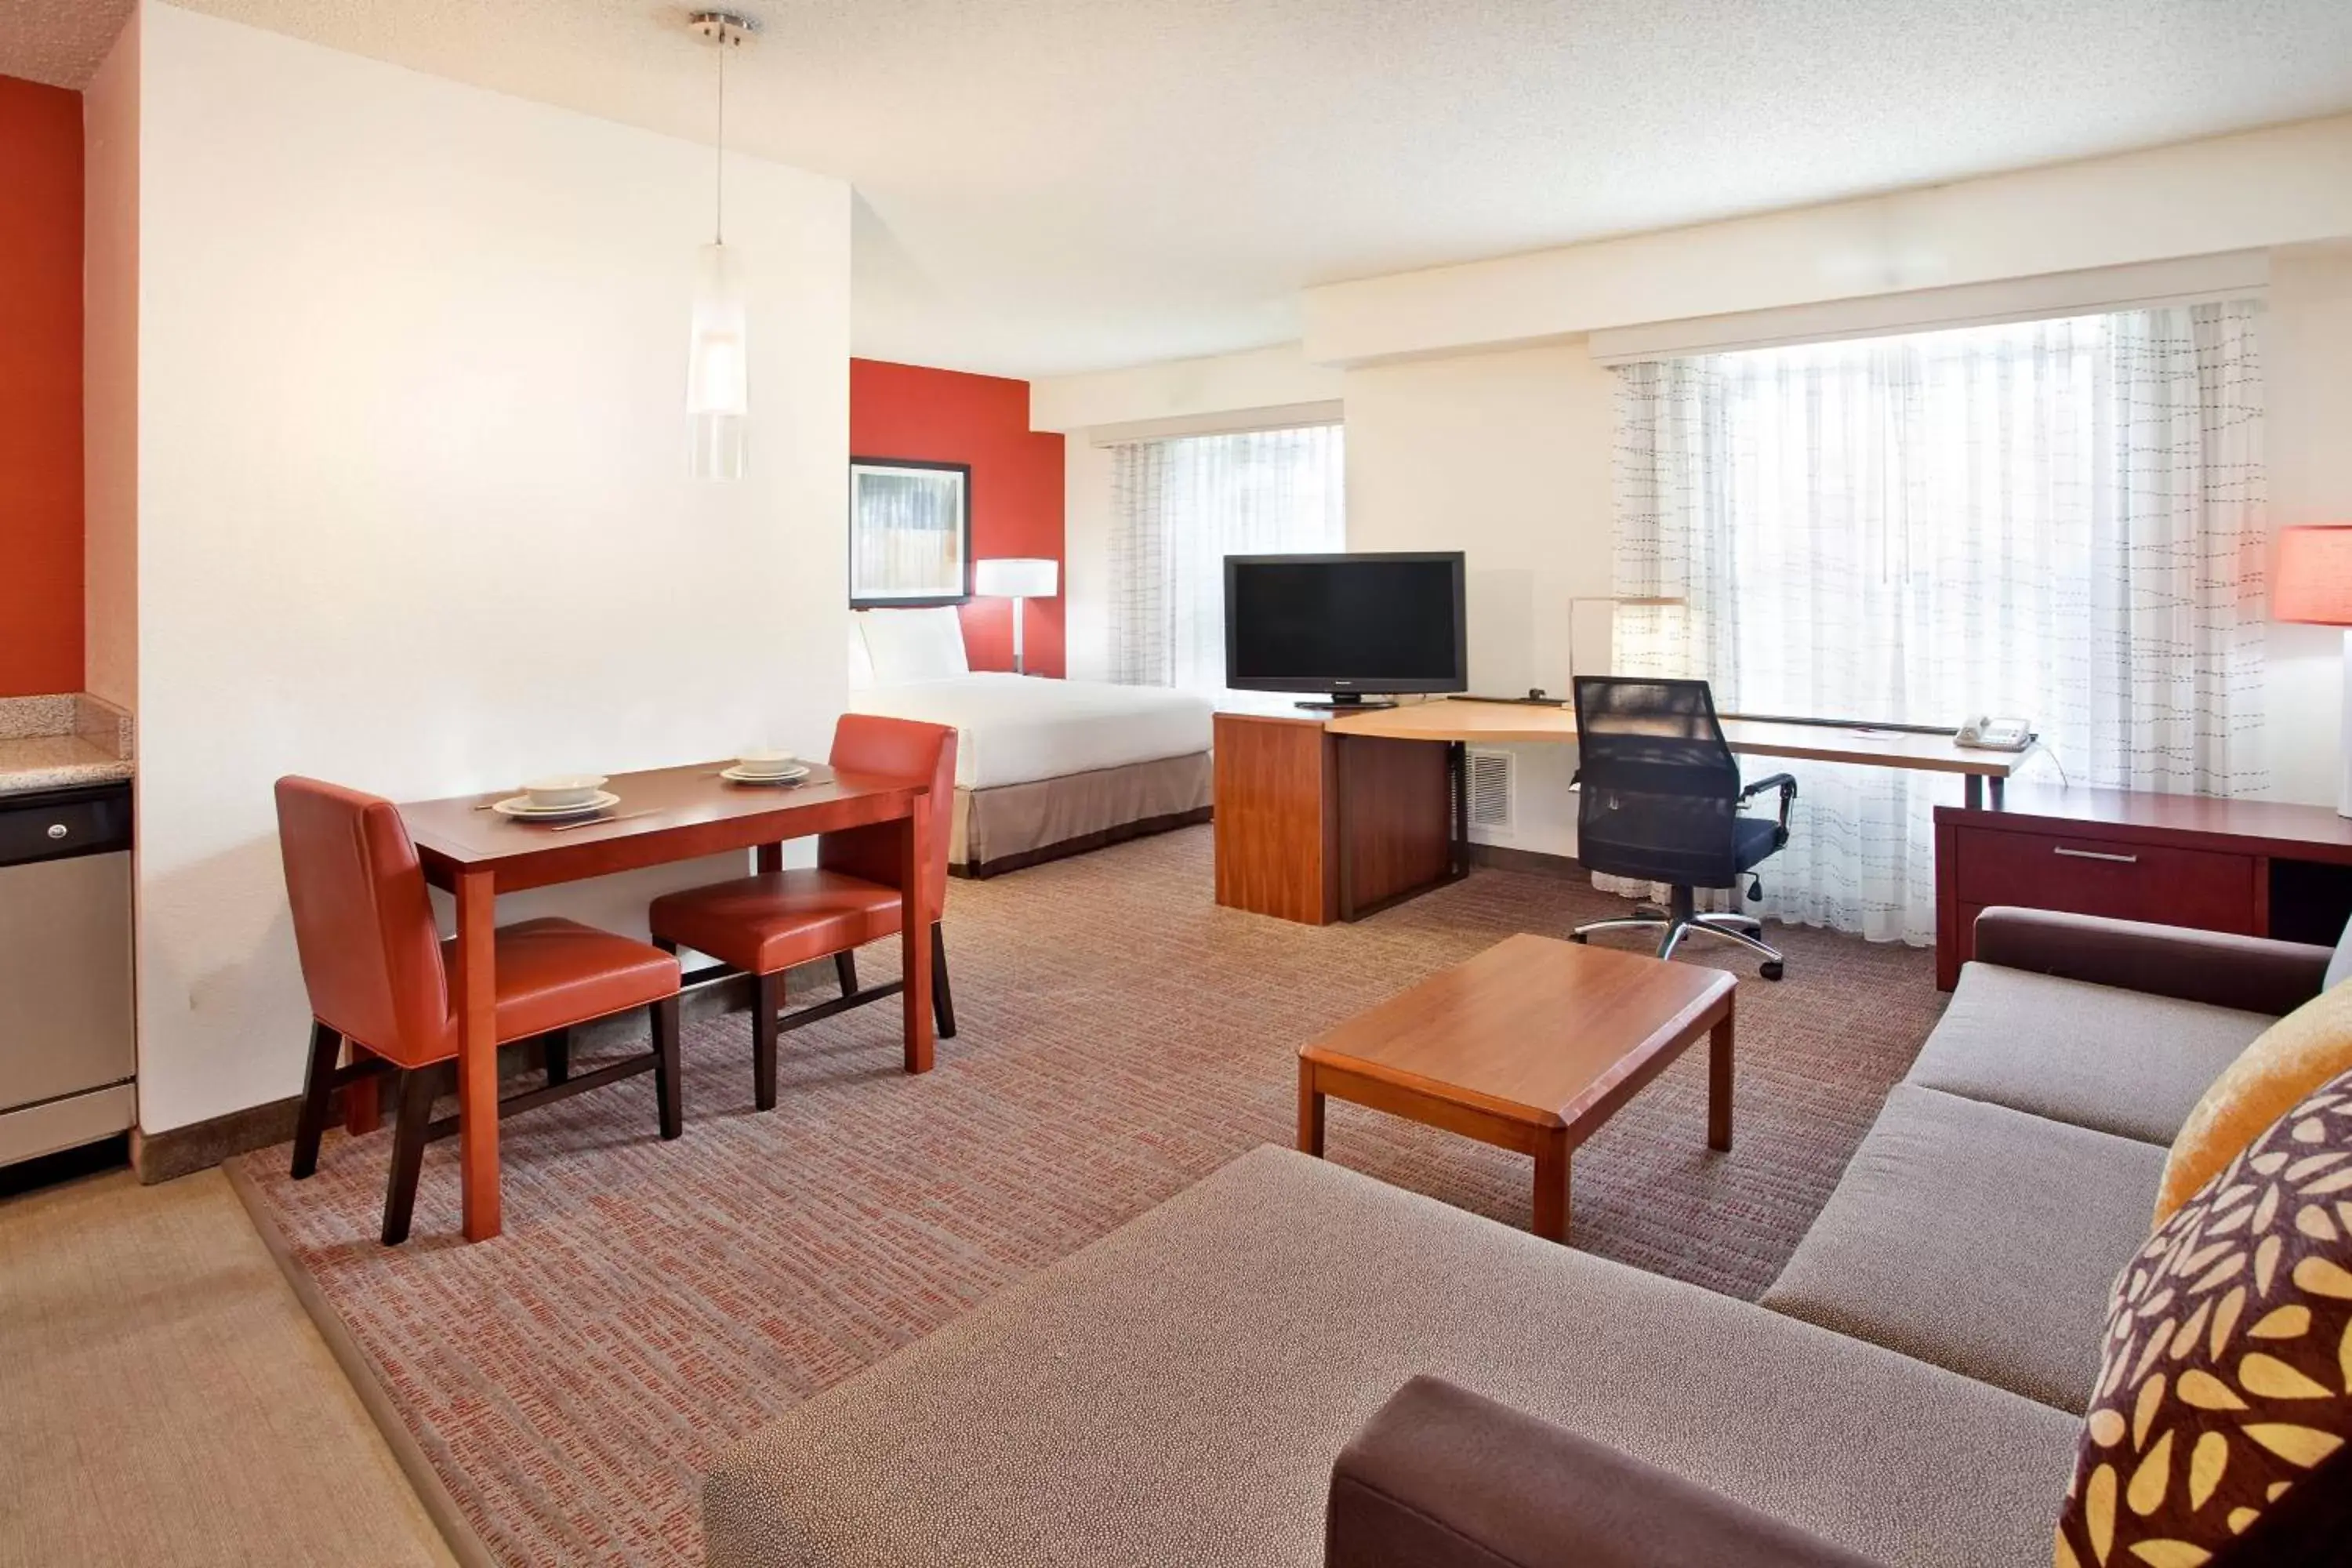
x=1530, y=1046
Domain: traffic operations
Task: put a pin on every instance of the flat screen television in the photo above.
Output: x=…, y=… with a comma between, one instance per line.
x=1347, y=624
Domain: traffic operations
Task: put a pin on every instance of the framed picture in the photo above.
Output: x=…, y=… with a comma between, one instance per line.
x=909, y=532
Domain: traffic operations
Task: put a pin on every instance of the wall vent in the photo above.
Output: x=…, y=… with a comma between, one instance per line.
x=1490, y=789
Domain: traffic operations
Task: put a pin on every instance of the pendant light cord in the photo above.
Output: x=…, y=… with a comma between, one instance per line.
x=718, y=176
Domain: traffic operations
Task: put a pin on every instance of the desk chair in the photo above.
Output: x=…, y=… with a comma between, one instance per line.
x=1660, y=802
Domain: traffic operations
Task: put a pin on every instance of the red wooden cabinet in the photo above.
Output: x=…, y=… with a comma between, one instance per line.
x=2259, y=868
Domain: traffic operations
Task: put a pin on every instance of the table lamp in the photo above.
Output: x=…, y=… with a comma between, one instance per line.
x=2315, y=587
x=1017, y=578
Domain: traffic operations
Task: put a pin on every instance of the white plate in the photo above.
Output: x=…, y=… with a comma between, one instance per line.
x=793, y=775
x=520, y=805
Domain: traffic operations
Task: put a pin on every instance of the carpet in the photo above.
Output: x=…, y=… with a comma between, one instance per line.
x=1121, y=1037
x=164, y=1400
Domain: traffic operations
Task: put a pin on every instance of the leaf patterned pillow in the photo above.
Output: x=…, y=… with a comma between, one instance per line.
x=2218, y=1430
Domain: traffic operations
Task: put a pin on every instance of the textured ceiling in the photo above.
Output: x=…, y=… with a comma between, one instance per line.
x=59, y=42
x=1056, y=185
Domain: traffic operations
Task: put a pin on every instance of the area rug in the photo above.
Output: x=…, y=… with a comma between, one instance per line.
x=1121, y=1037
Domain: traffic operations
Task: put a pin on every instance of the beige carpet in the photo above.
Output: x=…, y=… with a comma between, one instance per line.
x=164, y=1399
x=1122, y=1036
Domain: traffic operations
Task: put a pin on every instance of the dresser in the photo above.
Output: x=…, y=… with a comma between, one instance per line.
x=2257, y=868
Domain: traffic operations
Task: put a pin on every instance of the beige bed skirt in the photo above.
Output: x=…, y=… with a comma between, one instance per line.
x=1006, y=828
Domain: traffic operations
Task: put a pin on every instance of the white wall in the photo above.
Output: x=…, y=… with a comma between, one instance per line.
x=110, y=397
x=2286, y=185
x=1179, y=389
x=413, y=506
x=2307, y=432
x=1506, y=457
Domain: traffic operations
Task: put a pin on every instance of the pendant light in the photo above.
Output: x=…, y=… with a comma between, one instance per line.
x=718, y=363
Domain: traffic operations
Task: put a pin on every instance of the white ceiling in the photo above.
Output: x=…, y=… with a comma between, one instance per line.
x=1049, y=186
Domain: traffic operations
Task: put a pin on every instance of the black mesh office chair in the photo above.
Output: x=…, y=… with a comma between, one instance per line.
x=1661, y=799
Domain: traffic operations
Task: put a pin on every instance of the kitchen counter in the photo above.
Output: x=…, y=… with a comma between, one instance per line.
x=55, y=742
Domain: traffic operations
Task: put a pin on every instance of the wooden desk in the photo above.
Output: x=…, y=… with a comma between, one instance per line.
x=2257, y=868
x=1531, y=1046
x=478, y=855
x=1466, y=720
x=1323, y=819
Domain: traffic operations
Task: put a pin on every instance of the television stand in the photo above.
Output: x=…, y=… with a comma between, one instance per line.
x=1346, y=702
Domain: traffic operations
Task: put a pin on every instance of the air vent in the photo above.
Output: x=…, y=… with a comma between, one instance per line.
x=1490, y=789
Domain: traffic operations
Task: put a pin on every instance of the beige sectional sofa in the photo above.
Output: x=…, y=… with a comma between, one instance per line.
x=1907, y=1392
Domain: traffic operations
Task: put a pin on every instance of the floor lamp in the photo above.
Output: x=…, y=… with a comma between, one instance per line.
x=1019, y=579
x=2315, y=587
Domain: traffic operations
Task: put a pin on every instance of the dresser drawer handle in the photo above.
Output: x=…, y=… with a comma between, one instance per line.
x=2094, y=854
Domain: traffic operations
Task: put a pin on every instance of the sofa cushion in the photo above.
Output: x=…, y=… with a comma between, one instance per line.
x=1979, y=1238
x=2221, y=1431
x=2116, y=1061
x=2292, y=1057
x=1177, y=1393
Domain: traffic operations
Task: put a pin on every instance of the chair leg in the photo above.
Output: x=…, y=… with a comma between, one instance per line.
x=318, y=1087
x=668, y=1089
x=845, y=966
x=416, y=1086
x=557, y=1047
x=767, y=1000
x=942, y=999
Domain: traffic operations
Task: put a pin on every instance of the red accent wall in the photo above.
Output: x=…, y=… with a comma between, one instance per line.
x=40, y=389
x=948, y=416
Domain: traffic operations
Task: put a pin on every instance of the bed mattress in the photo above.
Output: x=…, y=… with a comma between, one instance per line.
x=1017, y=729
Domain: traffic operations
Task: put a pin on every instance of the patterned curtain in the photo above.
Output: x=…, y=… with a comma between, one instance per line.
x=1178, y=508
x=2061, y=520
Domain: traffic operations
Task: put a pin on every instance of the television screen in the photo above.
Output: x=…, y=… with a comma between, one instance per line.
x=1345, y=623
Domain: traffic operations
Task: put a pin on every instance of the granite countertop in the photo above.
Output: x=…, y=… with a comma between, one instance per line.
x=56, y=743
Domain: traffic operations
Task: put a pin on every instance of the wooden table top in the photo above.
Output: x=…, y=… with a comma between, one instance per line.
x=1503, y=723
x=1533, y=1029
x=686, y=812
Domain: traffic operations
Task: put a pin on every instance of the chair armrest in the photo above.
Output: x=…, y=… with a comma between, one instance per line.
x=2250, y=973
x=1440, y=1477
x=1786, y=785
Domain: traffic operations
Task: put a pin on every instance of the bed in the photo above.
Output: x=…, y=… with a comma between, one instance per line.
x=1044, y=768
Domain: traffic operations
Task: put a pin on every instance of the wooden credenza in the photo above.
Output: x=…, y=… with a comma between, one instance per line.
x=1315, y=826
x=2257, y=868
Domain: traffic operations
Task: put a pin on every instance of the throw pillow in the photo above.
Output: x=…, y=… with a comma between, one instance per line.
x=2217, y=1434
x=2287, y=1061
x=2339, y=965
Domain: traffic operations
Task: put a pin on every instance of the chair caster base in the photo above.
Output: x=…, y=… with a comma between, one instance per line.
x=1771, y=968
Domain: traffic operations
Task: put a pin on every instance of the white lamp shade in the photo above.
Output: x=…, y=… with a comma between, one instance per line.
x=717, y=371
x=1016, y=577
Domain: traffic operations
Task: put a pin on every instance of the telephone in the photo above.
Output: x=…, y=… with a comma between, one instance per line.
x=1987, y=733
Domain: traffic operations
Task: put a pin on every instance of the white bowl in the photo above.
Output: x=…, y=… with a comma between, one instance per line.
x=764, y=764
x=561, y=790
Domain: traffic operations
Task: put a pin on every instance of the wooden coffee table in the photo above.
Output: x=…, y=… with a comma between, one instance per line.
x=1530, y=1046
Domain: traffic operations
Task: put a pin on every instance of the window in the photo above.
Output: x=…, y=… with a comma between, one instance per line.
x=1179, y=509
x=909, y=532
x=2057, y=519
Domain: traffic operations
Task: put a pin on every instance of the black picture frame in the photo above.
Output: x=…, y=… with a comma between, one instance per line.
x=961, y=474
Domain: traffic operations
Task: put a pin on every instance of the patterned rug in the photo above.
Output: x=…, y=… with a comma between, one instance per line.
x=1122, y=1036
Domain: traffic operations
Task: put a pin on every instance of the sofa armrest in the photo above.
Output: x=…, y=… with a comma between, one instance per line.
x=1440, y=1477
x=2250, y=973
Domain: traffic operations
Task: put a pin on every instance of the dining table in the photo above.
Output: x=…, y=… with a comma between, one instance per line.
x=660, y=816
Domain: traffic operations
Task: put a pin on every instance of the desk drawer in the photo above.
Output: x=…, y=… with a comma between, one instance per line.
x=2197, y=887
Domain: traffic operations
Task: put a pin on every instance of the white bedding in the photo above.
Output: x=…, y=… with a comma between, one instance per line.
x=1014, y=728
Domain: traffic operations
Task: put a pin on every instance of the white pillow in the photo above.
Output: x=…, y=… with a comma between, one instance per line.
x=861, y=663
x=907, y=646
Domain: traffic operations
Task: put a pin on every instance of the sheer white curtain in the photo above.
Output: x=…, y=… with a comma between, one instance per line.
x=2061, y=519
x=1179, y=509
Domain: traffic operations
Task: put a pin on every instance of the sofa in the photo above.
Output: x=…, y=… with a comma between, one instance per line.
x=1291, y=1363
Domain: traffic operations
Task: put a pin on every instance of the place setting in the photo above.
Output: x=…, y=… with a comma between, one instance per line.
x=765, y=768
x=562, y=801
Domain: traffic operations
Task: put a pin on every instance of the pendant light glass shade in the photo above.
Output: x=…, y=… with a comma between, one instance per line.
x=718, y=371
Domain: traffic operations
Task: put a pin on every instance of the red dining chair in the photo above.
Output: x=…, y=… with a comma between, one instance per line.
x=377, y=972
x=764, y=925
